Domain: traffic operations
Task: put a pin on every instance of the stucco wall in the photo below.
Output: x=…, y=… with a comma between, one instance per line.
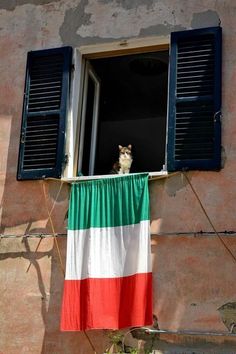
x=193, y=275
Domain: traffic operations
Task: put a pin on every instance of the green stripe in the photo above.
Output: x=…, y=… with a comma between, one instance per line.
x=109, y=202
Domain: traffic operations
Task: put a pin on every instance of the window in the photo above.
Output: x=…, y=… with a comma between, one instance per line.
x=132, y=110
x=171, y=117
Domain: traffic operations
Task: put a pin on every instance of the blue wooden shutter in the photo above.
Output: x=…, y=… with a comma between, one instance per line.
x=194, y=126
x=41, y=152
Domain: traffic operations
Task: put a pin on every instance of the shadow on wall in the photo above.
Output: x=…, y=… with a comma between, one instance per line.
x=24, y=209
x=23, y=212
x=54, y=340
x=23, y=202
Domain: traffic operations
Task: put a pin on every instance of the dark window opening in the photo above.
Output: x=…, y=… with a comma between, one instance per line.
x=88, y=126
x=132, y=110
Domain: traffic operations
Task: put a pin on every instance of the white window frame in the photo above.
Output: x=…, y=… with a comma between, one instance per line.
x=89, y=73
x=80, y=56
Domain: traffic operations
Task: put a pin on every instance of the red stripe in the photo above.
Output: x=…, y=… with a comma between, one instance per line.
x=107, y=303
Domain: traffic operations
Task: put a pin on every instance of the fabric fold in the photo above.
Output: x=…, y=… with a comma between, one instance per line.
x=108, y=282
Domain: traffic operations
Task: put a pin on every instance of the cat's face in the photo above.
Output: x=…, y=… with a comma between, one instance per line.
x=125, y=151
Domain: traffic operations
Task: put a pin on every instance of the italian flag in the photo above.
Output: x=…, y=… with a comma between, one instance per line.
x=108, y=282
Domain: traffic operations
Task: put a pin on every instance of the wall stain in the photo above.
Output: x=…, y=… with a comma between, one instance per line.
x=76, y=17
x=73, y=20
x=223, y=157
x=161, y=29
x=128, y=5
x=207, y=18
x=228, y=315
x=10, y=5
x=175, y=183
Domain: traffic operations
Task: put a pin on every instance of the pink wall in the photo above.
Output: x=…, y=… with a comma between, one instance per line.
x=193, y=275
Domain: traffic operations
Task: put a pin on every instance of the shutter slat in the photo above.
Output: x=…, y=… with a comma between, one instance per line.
x=44, y=107
x=190, y=61
x=44, y=130
x=199, y=55
x=196, y=65
x=32, y=151
x=197, y=76
x=45, y=94
x=190, y=125
x=193, y=82
x=44, y=85
x=39, y=102
x=196, y=71
x=35, y=139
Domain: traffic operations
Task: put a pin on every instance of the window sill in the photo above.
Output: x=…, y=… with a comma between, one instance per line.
x=87, y=178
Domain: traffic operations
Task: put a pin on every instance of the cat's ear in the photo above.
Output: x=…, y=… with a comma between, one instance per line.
x=120, y=147
x=130, y=146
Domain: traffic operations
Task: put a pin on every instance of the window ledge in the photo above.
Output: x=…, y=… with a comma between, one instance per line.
x=87, y=178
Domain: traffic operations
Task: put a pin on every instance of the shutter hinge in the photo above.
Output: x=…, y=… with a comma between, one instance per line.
x=217, y=116
x=22, y=138
x=26, y=96
x=65, y=160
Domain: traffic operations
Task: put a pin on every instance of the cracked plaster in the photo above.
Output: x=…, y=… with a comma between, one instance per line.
x=10, y=5
x=102, y=21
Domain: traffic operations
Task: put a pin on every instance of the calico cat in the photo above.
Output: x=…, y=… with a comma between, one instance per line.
x=125, y=160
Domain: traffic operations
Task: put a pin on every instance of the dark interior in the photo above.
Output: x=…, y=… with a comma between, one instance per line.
x=133, y=106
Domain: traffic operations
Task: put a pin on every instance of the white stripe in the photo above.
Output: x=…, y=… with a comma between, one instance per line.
x=108, y=252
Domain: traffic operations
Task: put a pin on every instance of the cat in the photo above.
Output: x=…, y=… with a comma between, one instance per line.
x=125, y=161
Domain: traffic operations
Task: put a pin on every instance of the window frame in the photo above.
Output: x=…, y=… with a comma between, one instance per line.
x=89, y=74
x=81, y=56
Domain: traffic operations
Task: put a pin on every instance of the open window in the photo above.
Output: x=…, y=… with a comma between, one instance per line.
x=132, y=110
x=166, y=103
x=172, y=123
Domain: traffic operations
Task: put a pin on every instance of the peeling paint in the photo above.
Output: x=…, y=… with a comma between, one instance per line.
x=119, y=20
x=174, y=184
x=74, y=18
x=228, y=315
x=75, y=40
x=128, y=5
x=207, y=18
x=223, y=157
x=10, y=5
x=77, y=17
x=160, y=29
